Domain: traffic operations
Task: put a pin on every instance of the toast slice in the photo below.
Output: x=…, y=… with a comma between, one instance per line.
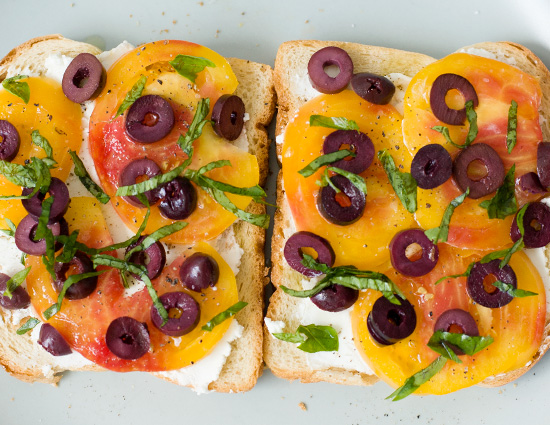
x=22, y=357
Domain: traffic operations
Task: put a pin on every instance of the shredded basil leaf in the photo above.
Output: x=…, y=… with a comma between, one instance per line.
x=18, y=174
x=338, y=123
x=86, y=180
x=10, y=231
x=17, y=279
x=454, y=276
x=152, y=183
x=512, y=130
x=419, y=378
x=133, y=95
x=224, y=315
x=18, y=88
x=43, y=143
x=27, y=326
x=471, y=115
x=69, y=248
x=156, y=236
x=470, y=345
x=323, y=160
x=195, y=129
x=44, y=232
x=513, y=292
x=326, y=181
x=190, y=66
x=403, y=183
x=312, y=338
x=504, y=202
x=441, y=233
x=355, y=179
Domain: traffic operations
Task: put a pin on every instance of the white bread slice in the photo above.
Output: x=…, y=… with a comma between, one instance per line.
x=24, y=359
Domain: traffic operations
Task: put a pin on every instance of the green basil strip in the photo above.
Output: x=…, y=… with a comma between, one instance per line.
x=224, y=315
x=18, y=174
x=441, y=233
x=419, y=378
x=326, y=181
x=312, y=338
x=17, y=279
x=36, y=174
x=213, y=165
x=152, y=183
x=470, y=345
x=323, y=160
x=69, y=248
x=44, y=232
x=86, y=180
x=504, y=202
x=195, y=129
x=403, y=183
x=156, y=236
x=18, y=88
x=512, y=130
x=355, y=179
x=43, y=143
x=471, y=115
x=23, y=258
x=338, y=123
x=190, y=66
x=42, y=173
x=10, y=231
x=27, y=326
x=255, y=192
x=133, y=95
x=513, y=292
x=71, y=280
x=454, y=276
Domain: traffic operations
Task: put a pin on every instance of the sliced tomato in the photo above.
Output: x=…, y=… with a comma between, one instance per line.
x=365, y=242
x=83, y=323
x=517, y=328
x=496, y=84
x=112, y=149
x=55, y=117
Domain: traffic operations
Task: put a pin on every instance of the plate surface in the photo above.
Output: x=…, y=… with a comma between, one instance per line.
x=254, y=30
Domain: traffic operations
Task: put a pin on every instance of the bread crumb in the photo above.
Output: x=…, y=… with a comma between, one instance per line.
x=307, y=21
x=174, y=22
x=217, y=33
x=201, y=3
x=302, y=406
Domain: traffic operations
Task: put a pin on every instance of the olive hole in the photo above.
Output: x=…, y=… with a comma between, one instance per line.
x=233, y=118
x=536, y=226
x=174, y=313
x=488, y=283
x=343, y=200
x=81, y=77
x=413, y=252
x=454, y=99
x=150, y=119
x=309, y=251
x=331, y=69
x=142, y=178
x=127, y=339
x=430, y=167
x=395, y=317
x=72, y=270
x=456, y=329
x=477, y=170
x=346, y=146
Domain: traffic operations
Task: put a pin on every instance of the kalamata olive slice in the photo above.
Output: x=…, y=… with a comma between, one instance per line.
x=530, y=183
x=9, y=141
x=199, y=271
x=153, y=258
x=536, y=226
x=26, y=230
x=487, y=157
x=19, y=298
x=79, y=264
x=52, y=341
x=183, y=314
x=60, y=193
x=178, y=199
x=352, y=140
x=84, y=78
x=486, y=294
x=431, y=166
x=441, y=87
x=460, y=319
x=341, y=208
x=294, y=255
x=136, y=171
x=335, y=298
x=149, y=119
x=127, y=338
x=543, y=163
x=330, y=56
x=373, y=88
x=389, y=323
x=228, y=116
x=413, y=266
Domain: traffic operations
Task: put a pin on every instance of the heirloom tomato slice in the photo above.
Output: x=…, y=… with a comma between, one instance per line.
x=83, y=323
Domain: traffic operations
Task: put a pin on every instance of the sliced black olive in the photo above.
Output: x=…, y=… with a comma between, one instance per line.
x=199, y=272
x=440, y=87
x=26, y=230
x=341, y=208
x=335, y=298
x=19, y=299
x=153, y=258
x=389, y=323
x=84, y=78
x=127, y=338
x=479, y=185
x=373, y=88
x=431, y=166
x=136, y=169
x=52, y=341
x=9, y=141
x=294, y=255
x=543, y=163
x=488, y=295
x=60, y=193
x=80, y=263
x=530, y=183
x=458, y=318
x=330, y=56
x=416, y=266
x=149, y=119
x=357, y=142
x=183, y=314
x=536, y=226
x=228, y=116
x=178, y=199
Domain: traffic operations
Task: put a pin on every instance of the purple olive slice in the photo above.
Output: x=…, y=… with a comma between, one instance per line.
x=26, y=230
x=127, y=338
x=60, y=193
x=138, y=169
x=178, y=199
x=441, y=87
x=485, y=294
x=183, y=314
x=19, y=299
x=341, y=208
x=457, y=318
x=228, y=116
x=199, y=272
x=543, y=163
x=294, y=255
x=322, y=59
x=417, y=266
x=480, y=185
x=153, y=258
x=389, y=323
x=431, y=166
x=84, y=78
x=536, y=226
x=149, y=119
x=9, y=141
x=52, y=341
x=357, y=142
x=530, y=183
x=335, y=298
x=80, y=264
x=373, y=88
